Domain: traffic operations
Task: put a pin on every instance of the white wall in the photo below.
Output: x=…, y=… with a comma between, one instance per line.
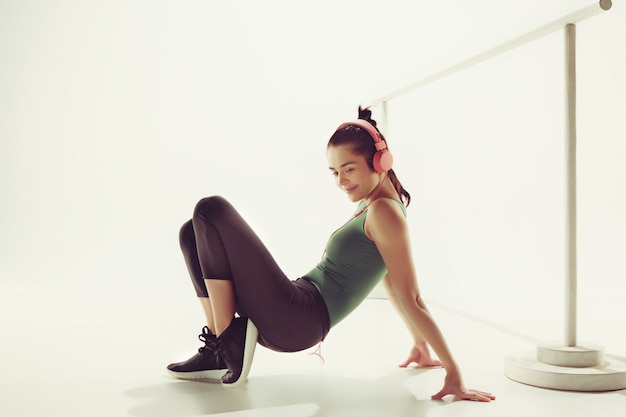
x=115, y=117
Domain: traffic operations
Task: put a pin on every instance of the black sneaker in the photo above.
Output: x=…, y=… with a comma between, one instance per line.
x=236, y=346
x=206, y=364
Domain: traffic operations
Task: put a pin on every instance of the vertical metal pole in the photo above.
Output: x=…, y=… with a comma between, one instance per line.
x=385, y=128
x=570, y=195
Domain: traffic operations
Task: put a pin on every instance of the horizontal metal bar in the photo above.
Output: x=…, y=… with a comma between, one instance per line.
x=555, y=25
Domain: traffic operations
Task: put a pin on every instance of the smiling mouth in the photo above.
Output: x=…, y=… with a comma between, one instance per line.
x=349, y=190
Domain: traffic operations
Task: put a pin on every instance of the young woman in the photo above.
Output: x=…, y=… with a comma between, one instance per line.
x=247, y=299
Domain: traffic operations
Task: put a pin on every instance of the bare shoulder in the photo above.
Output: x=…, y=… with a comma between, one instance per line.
x=385, y=217
x=385, y=208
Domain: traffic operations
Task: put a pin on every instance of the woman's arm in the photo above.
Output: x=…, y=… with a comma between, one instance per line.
x=420, y=354
x=387, y=227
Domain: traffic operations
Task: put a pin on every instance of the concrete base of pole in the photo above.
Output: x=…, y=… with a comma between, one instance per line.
x=581, y=368
x=580, y=356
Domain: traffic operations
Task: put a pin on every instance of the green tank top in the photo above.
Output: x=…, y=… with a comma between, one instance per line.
x=350, y=268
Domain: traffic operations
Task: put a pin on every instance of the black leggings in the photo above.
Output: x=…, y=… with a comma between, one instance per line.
x=217, y=243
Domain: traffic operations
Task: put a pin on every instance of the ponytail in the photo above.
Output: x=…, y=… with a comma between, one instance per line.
x=405, y=197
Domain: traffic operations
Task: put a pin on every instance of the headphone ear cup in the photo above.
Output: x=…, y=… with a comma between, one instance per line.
x=383, y=161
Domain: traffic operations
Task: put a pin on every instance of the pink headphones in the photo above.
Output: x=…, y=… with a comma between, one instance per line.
x=382, y=158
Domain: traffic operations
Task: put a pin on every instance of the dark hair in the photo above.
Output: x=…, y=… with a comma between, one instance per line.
x=362, y=144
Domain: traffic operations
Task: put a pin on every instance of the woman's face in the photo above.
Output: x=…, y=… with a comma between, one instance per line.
x=352, y=174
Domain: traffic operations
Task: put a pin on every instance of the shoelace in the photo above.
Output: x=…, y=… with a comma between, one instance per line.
x=210, y=345
x=318, y=352
x=205, y=337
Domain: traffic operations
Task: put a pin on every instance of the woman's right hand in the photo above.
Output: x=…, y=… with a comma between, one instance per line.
x=453, y=385
x=420, y=355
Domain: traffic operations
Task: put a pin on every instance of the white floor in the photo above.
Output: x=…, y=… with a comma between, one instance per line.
x=97, y=353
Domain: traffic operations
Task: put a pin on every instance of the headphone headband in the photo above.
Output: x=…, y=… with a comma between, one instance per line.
x=379, y=141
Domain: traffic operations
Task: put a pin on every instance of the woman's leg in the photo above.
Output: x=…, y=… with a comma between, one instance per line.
x=288, y=316
x=215, y=223
x=187, y=239
x=206, y=363
x=220, y=246
x=207, y=308
x=223, y=308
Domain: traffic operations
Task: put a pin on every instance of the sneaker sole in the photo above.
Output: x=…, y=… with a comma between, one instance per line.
x=252, y=334
x=211, y=374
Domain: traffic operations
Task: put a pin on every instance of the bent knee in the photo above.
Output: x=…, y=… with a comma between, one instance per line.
x=210, y=206
x=186, y=236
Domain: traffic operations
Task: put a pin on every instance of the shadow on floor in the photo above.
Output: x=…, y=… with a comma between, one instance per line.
x=290, y=395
